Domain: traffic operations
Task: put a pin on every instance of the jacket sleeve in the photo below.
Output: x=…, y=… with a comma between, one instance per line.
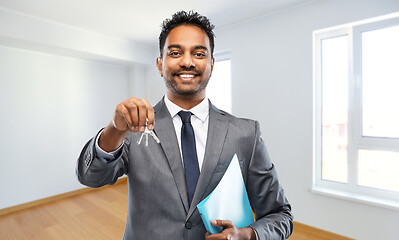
x=272, y=210
x=94, y=171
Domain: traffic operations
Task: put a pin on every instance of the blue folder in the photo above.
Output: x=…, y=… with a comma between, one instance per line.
x=228, y=201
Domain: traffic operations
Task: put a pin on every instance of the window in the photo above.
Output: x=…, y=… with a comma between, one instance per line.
x=219, y=86
x=357, y=112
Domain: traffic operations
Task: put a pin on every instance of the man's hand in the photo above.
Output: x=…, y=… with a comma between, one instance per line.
x=230, y=231
x=134, y=115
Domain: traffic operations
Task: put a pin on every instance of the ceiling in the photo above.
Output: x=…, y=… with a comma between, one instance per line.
x=140, y=21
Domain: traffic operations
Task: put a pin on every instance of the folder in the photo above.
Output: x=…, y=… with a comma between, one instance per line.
x=228, y=201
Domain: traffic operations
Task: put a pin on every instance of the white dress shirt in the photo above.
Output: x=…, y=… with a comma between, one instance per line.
x=199, y=121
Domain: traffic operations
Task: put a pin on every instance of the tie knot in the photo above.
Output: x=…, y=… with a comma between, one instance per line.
x=185, y=116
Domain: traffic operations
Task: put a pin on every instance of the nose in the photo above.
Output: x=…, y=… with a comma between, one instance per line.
x=187, y=61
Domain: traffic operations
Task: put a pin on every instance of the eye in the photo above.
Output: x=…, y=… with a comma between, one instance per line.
x=174, y=53
x=200, y=54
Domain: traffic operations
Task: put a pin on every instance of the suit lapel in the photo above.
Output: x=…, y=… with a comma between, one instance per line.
x=217, y=130
x=166, y=133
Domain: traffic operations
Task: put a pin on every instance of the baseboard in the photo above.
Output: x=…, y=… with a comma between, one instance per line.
x=54, y=198
x=316, y=232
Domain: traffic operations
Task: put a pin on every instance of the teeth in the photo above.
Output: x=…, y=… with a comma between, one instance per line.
x=186, y=76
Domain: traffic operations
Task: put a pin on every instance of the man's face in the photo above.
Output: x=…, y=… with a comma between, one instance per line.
x=186, y=62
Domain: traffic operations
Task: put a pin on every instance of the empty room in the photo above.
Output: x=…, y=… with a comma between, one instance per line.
x=230, y=119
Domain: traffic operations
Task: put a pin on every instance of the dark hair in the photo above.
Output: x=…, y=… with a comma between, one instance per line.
x=191, y=18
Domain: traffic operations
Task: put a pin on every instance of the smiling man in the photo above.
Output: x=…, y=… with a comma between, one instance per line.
x=186, y=63
x=197, y=142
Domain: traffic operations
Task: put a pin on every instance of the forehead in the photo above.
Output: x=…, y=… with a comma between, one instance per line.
x=187, y=36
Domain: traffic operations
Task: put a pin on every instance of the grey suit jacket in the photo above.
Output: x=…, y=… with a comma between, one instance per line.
x=158, y=206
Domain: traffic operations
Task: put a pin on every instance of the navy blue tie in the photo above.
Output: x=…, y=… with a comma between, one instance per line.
x=189, y=153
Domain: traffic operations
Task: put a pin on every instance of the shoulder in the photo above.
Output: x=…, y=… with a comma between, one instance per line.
x=237, y=123
x=234, y=119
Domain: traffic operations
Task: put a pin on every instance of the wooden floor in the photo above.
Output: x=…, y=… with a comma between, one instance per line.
x=98, y=214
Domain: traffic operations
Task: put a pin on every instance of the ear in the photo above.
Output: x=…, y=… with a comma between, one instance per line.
x=159, y=65
x=212, y=64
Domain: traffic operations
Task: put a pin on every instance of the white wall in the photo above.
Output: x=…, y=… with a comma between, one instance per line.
x=50, y=106
x=272, y=82
x=155, y=84
x=58, y=86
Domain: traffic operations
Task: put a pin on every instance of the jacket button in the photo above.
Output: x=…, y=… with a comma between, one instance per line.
x=189, y=225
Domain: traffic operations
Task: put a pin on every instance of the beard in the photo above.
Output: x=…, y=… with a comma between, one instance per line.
x=180, y=89
x=175, y=87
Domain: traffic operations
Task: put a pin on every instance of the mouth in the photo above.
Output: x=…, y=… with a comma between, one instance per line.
x=187, y=76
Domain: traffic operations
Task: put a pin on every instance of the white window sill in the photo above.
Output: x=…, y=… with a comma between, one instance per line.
x=355, y=197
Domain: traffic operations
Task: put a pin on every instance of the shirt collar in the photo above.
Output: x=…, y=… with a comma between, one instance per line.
x=201, y=110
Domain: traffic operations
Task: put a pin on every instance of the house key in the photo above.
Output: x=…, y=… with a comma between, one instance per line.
x=146, y=133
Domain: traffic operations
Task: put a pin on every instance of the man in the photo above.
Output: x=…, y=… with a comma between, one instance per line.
x=197, y=142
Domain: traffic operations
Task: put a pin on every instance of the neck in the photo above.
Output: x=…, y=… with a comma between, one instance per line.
x=186, y=102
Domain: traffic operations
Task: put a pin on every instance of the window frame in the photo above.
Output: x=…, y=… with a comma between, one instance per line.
x=356, y=141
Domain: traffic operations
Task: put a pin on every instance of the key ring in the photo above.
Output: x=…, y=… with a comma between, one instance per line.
x=146, y=133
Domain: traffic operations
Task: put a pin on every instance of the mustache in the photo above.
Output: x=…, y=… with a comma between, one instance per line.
x=186, y=69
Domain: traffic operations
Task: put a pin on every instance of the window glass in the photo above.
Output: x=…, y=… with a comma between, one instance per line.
x=380, y=82
x=379, y=169
x=219, y=86
x=335, y=108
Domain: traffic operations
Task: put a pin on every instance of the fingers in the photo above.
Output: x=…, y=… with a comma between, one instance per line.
x=229, y=230
x=150, y=115
x=132, y=114
x=222, y=223
x=122, y=120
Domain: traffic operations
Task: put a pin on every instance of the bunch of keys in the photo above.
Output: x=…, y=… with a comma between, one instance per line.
x=146, y=133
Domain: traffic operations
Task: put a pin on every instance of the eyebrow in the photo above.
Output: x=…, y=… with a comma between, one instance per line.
x=200, y=47
x=195, y=48
x=174, y=46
